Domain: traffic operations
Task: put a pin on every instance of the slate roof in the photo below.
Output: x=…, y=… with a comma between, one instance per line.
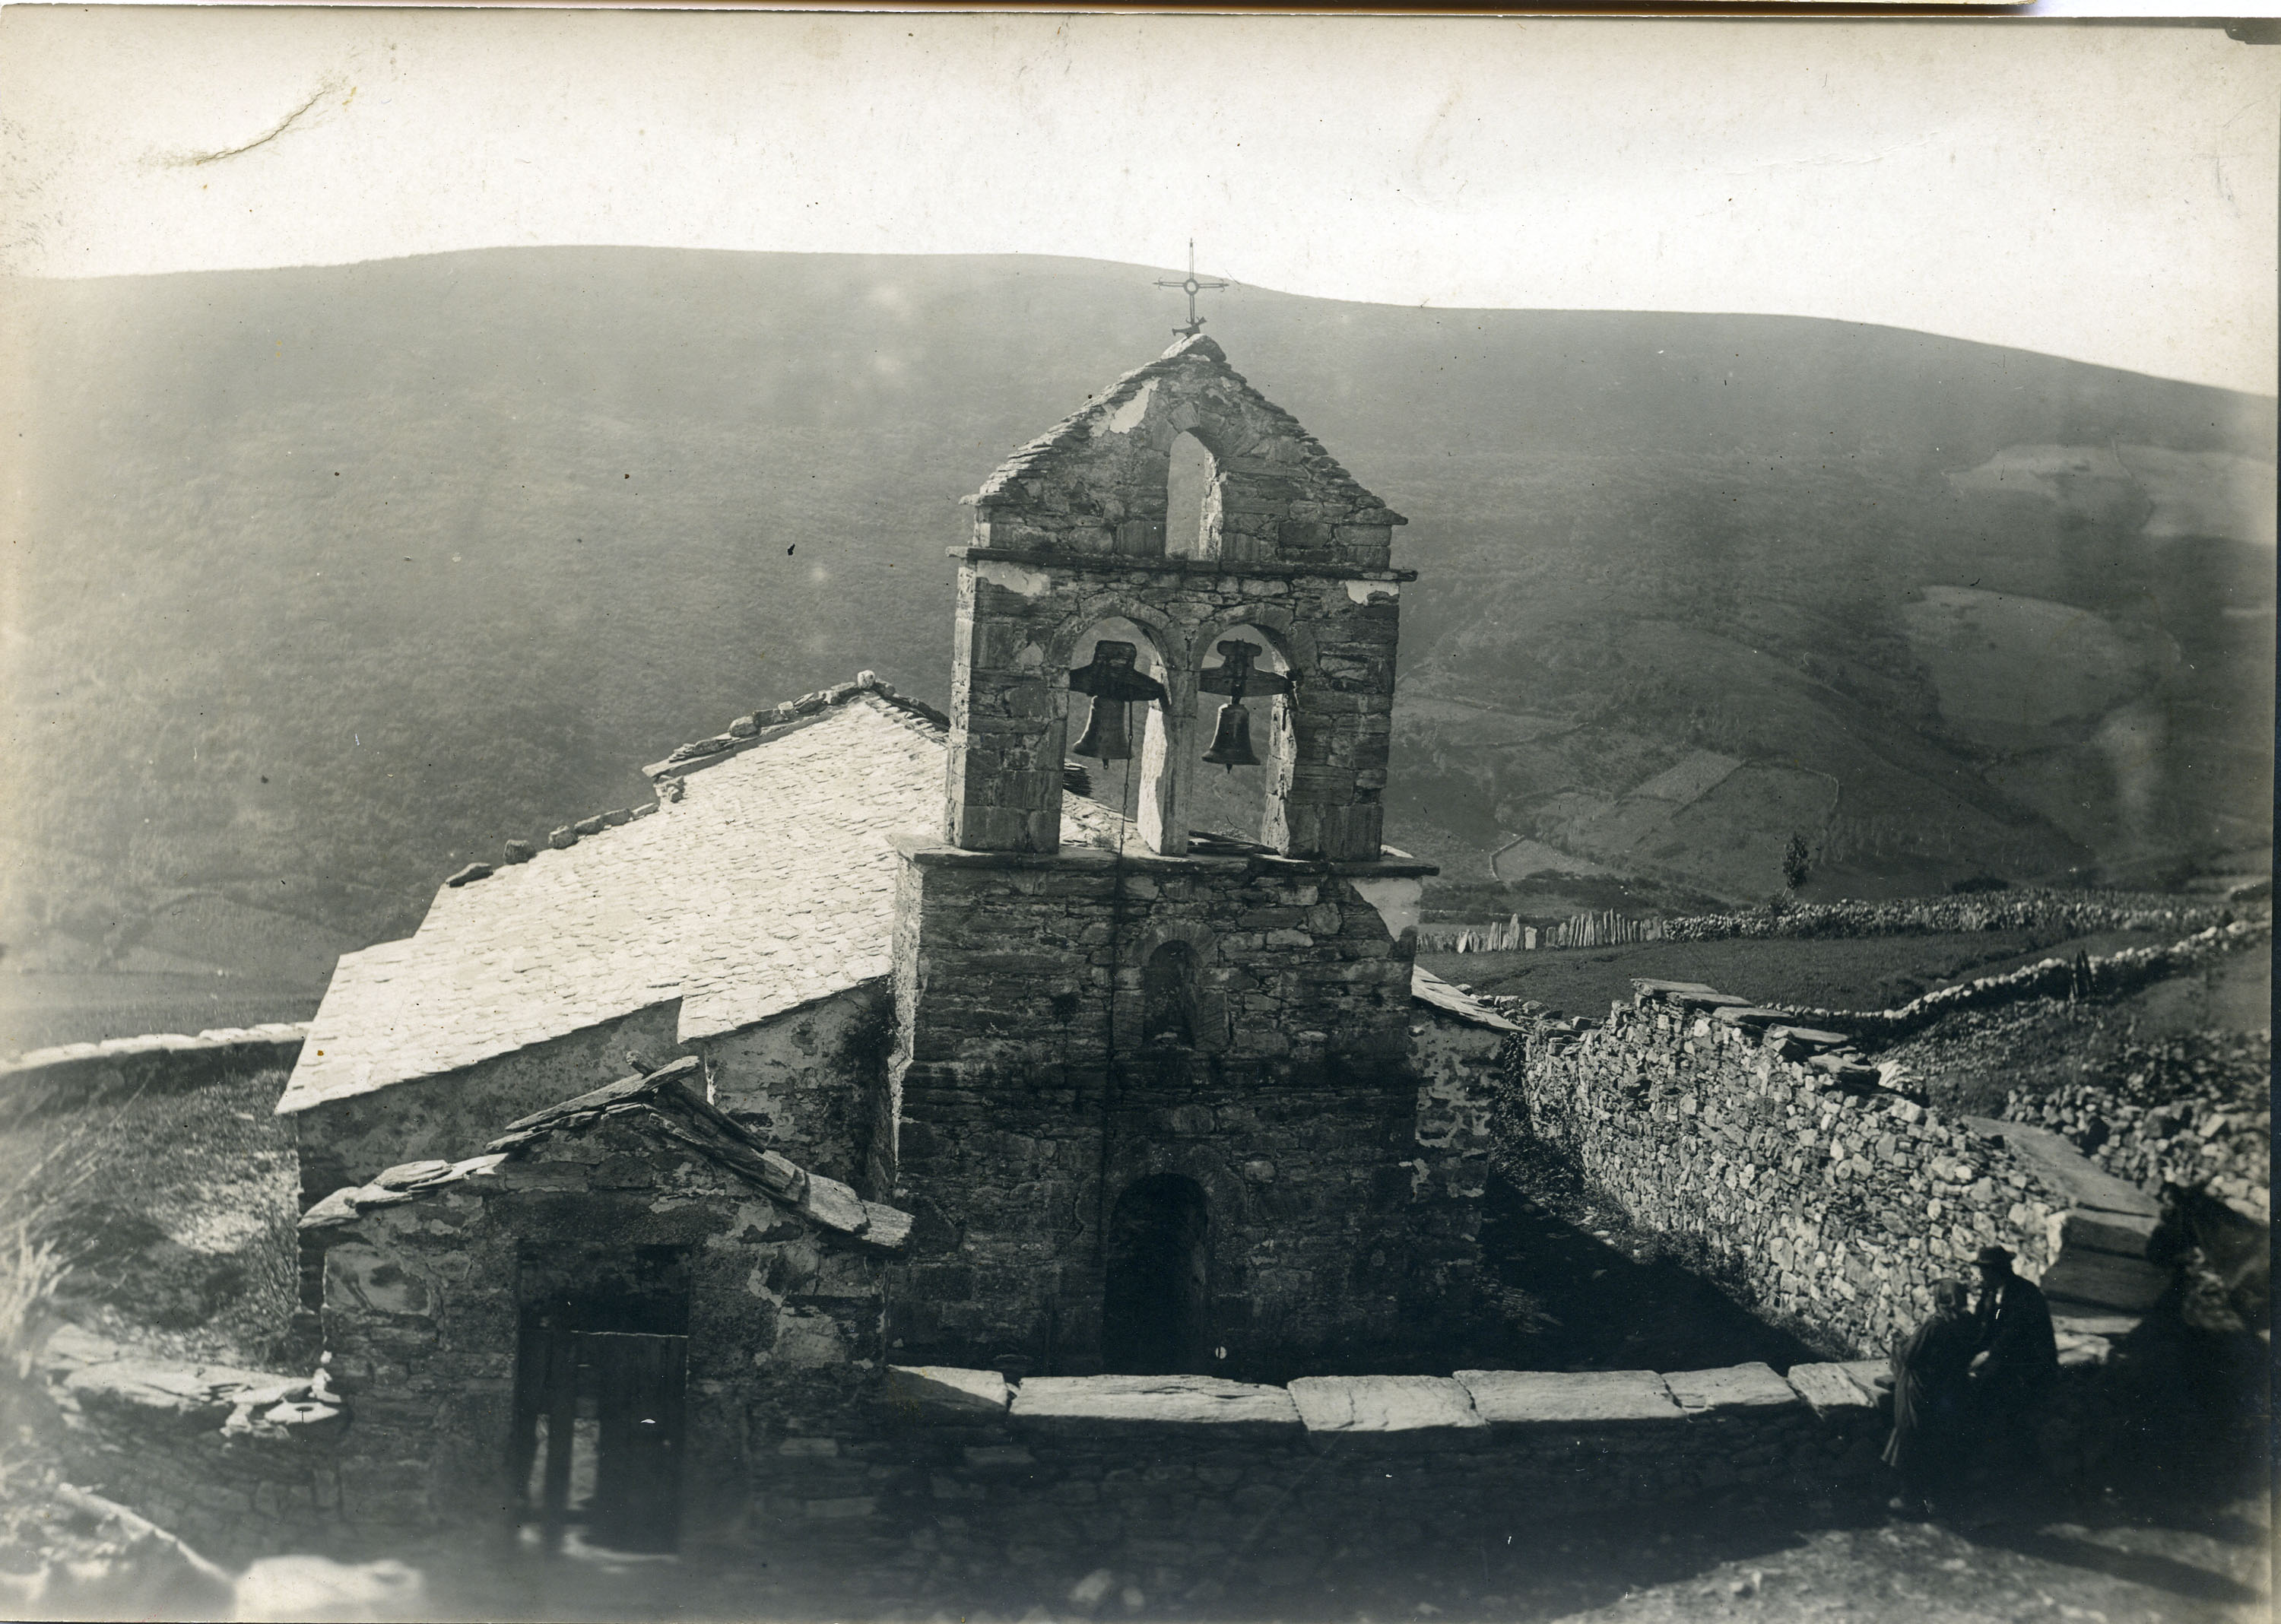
x=665, y=1102
x=764, y=881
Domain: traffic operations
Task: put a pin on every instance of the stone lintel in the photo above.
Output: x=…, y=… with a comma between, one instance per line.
x=1569, y=1398
x=1647, y=987
x=1115, y=563
x=927, y=852
x=1750, y=1015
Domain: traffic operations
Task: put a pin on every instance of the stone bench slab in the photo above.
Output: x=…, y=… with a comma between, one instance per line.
x=944, y=1393
x=1872, y=1376
x=2106, y=1279
x=1086, y=1402
x=1737, y=1389
x=1830, y=1389
x=1348, y=1405
x=1568, y=1398
x=2089, y=1321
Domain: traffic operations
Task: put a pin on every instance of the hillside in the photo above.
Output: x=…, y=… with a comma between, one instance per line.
x=323, y=581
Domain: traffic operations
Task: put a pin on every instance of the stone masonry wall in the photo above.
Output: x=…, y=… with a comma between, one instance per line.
x=1295, y=1108
x=1096, y=481
x=1840, y=1203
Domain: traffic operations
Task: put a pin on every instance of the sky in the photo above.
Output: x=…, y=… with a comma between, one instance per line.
x=2103, y=193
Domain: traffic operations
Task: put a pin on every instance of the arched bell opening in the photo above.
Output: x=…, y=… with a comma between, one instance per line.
x=1244, y=739
x=1156, y=1310
x=1191, y=499
x=1125, y=727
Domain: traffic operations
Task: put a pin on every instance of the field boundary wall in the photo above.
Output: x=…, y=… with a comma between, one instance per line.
x=76, y=1074
x=1836, y=1203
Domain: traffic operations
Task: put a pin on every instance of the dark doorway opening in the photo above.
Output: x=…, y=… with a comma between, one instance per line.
x=1155, y=1305
x=600, y=1378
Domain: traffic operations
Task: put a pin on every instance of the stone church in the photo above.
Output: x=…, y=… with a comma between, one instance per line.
x=995, y=1074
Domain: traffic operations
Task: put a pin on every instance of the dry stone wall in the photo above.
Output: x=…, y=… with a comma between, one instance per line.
x=2207, y=1137
x=2108, y=977
x=1837, y=1202
x=236, y=1462
x=77, y=1075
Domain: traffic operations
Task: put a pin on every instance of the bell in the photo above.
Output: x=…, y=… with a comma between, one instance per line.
x=1231, y=745
x=1113, y=683
x=1105, y=737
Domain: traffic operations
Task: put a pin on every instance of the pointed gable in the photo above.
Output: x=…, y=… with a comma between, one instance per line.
x=1096, y=481
x=665, y=1104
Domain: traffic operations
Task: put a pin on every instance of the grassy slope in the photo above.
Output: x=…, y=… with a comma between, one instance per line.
x=176, y=1210
x=1869, y=972
x=323, y=581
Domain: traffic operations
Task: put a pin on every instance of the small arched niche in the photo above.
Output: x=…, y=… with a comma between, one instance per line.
x=1191, y=499
x=1168, y=997
x=1232, y=800
x=1156, y=1317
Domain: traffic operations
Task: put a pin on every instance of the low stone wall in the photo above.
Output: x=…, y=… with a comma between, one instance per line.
x=2077, y=912
x=76, y=1075
x=238, y=1462
x=1837, y=1202
x=1195, y=1487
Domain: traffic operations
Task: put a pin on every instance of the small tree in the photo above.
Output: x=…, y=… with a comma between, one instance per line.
x=1798, y=862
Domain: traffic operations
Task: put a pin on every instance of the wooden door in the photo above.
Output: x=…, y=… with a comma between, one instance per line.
x=630, y=1386
x=639, y=1386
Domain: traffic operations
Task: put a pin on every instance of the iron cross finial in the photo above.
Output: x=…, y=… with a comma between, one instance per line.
x=1191, y=285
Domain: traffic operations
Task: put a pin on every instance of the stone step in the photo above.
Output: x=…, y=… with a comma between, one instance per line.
x=2125, y=1233
x=2061, y=1166
x=2106, y=1279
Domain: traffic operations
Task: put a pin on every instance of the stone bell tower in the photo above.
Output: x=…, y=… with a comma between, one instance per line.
x=1070, y=530
x=1153, y=1100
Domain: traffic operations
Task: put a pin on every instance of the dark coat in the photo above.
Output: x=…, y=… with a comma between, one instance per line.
x=2016, y=1329
x=1929, y=1385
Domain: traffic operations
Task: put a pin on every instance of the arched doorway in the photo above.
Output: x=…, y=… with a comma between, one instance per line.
x=1155, y=1302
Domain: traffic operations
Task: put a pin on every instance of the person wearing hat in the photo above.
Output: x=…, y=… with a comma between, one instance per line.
x=2014, y=1380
